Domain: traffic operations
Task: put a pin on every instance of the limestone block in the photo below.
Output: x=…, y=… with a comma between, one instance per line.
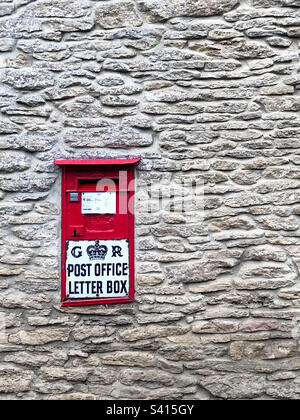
x=198, y=272
x=13, y=162
x=265, y=275
x=234, y=386
x=28, y=78
x=14, y=380
x=59, y=9
x=112, y=136
x=150, y=332
x=71, y=374
x=26, y=183
x=158, y=11
x=40, y=336
x=32, y=142
x=84, y=332
x=134, y=359
x=46, y=387
x=102, y=376
x=118, y=15
x=27, y=359
x=270, y=351
x=74, y=396
x=8, y=127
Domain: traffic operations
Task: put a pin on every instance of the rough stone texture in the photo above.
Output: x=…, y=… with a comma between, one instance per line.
x=206, y=92
x=173, y=8
x=118, y=15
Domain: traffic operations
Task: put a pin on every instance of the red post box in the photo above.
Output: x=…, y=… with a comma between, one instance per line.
x=97, y=231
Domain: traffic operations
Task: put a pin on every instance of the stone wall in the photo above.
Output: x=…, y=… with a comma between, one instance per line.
x=202, y=90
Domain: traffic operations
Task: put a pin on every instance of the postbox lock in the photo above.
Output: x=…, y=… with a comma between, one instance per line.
x=74, y=197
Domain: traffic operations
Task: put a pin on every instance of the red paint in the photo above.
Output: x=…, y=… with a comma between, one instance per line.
x=82, y=176
x=97, y=161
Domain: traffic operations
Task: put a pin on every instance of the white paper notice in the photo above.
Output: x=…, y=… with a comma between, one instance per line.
x=99, y=202
x=97, y=269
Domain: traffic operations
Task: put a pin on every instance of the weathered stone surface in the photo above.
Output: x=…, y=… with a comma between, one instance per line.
x=84, y=332
x=281, y=104
x=27, y=359
x=236, y=350
x=133, y=359
x=32, y=142
x=198, y=272
x=233, y=386
x=13, y=162
x=277, y=223
x=14, y=380
x=150, y=332
x=118, y=15
x=31, y=100
x=266, y=253
x=56, y=373
x=40, y=337
x=174, y=8
x=50, y=387
x=265, y=276
x=29, y=79
x=59, y=9
x=7, y=127
x=19, y=183
x=115, y=137
x=153, y=378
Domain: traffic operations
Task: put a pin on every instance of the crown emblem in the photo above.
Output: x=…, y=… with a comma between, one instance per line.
x=97, y=251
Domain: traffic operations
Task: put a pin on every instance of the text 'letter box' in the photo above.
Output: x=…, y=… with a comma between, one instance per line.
x=97, y=231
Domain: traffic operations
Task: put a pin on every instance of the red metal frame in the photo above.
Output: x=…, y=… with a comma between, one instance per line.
x=98, y=162
x=72, y=172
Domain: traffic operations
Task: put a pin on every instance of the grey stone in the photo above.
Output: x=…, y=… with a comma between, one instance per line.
x=31, y=100
x=56, y=373
x=40, y=337
x=27, y=359
x=276, y=350
x=281, y=104
x=133, y=359
x=198, y=8
x=198, y=272
x=118, y=15
x=32, y=142
x=7, y=127
x=278, y=223
x=59, y=9
x=232, y=386
x=279, y=42
x=13, y=162
x=14, y=380
x=6, y=44
x=113, y=136
x=19, y=183
x=28, y=78
x=266, y=253
x=271, y=3
x=265, y=275
x=150, y=332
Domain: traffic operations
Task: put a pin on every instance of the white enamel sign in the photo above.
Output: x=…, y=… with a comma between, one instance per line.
x=99, y=202
x=97, y=269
